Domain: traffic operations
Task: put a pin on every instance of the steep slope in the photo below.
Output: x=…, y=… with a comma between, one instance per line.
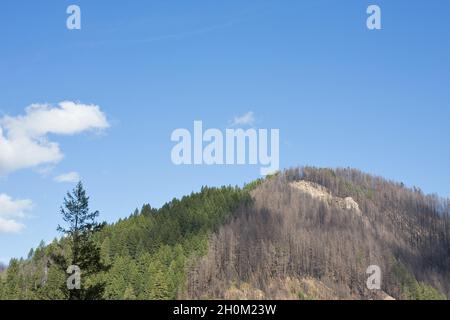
x=318, y=228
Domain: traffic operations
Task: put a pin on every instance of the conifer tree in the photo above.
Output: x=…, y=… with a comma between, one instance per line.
x=13, y=280
x=129, y=294
x=158, y=288
x=83, y=251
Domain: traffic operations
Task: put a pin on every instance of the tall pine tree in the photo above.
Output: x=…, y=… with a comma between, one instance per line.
x=82, y=249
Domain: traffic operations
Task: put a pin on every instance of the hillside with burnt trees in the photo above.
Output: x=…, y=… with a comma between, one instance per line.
x=311, y=233
x=305, y=233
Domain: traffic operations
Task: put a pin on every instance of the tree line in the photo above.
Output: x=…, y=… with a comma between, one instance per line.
x=140, y=257
x=261, y=237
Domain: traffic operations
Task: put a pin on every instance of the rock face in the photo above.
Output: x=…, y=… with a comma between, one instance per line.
x=321, y=193
x=313, y=189
x=351, y=204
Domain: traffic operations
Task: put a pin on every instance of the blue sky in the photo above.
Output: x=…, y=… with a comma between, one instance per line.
x=340, y=94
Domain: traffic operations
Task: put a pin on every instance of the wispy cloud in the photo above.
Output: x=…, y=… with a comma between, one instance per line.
x=24, y=139
x=70, y=177
x=245, y=120
x=11, y=212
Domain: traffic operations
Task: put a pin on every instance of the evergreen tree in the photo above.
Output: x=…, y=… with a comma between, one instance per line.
x=158, y=288
x=2, y=289
x=83, y=250
x=120, y=276
x=129, y=294
x=52, y=288
x=13, y=281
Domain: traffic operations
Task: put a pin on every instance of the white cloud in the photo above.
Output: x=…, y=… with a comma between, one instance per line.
x=71, y=177
x=11, y=211
x=10, y=226
x=13, y=208
x=23, y=139
x=245, y=120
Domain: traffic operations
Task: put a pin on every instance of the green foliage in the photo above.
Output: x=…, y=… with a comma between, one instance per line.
x=411, y=288
x=150, y=249
x=255, y=183
x=153, y=252
x=304, y=296
x=13, y=281
x=129, y=294
x=147, y=252
x=79, y=247
x=427, y=292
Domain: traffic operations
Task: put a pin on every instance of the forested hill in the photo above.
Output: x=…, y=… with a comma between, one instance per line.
x=305, y=233
x=148, y=252
x=312, y=233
